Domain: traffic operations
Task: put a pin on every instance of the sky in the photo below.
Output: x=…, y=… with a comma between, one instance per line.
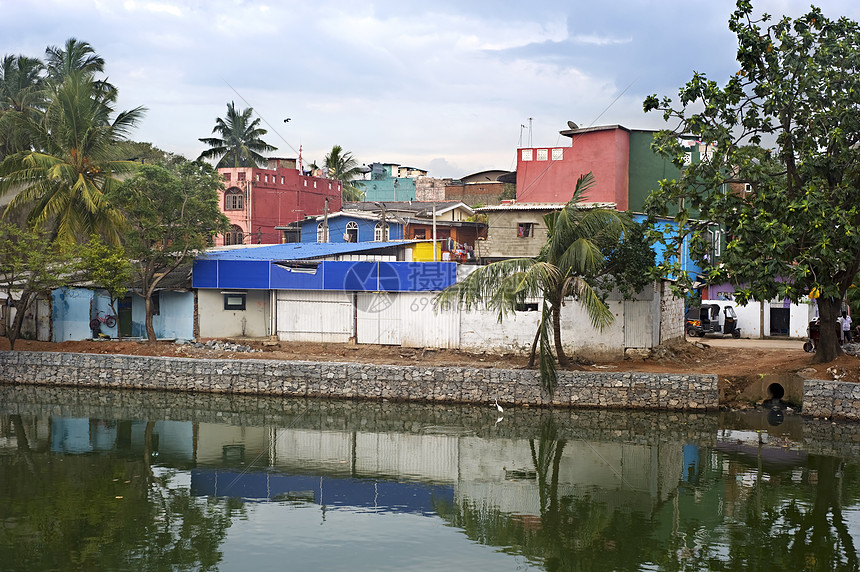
x=449, y=86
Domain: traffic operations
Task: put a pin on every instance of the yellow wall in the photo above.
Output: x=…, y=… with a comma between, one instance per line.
x=423, y=252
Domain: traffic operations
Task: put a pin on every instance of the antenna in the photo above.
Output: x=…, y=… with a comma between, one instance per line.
x=530, y=132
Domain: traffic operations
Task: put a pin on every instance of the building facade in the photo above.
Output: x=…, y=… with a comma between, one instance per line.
x=256, y=201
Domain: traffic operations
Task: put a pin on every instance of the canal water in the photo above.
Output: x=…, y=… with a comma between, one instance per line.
x=122, y=480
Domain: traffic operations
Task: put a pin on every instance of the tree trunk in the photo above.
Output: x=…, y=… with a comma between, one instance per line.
x=150, y=330
x=828, y=348
x=13, y=332
x=533, y=353
x=556, y=333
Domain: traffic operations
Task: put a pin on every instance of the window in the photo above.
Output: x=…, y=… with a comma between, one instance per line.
x=351, y=234
x=234, y=236
x=558, y=154
x=227, y=177
x=240, y=176
x=525, y=229
x=266, y=178
x=234, y=300
x=282, y=180
x=380, y=232
x=156, y=303
x=527, y=154
x=322, y=233
x=234, y=200
x=541, y=154
x=257, y=178
x=420, y=233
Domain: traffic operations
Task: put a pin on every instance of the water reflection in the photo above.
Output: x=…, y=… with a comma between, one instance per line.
x=126, y=480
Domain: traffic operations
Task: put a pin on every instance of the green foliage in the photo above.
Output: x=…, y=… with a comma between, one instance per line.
x=787, y=124
x=343, y=167
x=104, y=266
x=583, y=248
x=239, y=143
x=62, y=182
x=170, y=215
x=29, y=266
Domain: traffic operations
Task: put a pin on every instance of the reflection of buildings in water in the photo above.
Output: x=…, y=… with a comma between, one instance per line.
x=484, y=472
x=263, y=462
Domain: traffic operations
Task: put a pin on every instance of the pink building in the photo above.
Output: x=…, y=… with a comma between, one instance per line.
x=549, y=174
x=258, y=200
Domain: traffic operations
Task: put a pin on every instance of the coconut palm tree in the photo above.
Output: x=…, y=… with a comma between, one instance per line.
x=77, y=56
x=573, y=257
x=343, y=167
x=239, y=144
x=61, y=182
x=21, y=96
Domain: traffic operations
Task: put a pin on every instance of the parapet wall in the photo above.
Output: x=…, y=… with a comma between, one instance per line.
x=362, y=381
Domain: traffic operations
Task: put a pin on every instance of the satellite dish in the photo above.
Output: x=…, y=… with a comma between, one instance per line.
x=572, y=125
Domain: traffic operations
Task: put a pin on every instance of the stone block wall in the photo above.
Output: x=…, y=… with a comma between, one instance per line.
x=831, y=399
x=362, y=381
x=671, y=307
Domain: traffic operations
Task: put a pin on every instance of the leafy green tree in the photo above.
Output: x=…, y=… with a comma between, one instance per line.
x=105, y=266
x=29, y=266
x=343, y=167
x=581, y=251
x=788, y=125
x=171, y=214
x=21, y=96
x=239, y=143
x=62, y=182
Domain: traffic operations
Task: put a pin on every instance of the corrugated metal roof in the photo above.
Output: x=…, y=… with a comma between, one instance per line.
x=300, y=250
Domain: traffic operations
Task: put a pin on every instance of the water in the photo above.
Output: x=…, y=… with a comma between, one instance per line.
x=110, y=480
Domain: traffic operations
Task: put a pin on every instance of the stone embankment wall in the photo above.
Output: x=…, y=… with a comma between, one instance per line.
x=831, y=399
x=362, y=381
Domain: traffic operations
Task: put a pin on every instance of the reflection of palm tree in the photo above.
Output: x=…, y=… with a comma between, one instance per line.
x=239, y=143
x=343, y=167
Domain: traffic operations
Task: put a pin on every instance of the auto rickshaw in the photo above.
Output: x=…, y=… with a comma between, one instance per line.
x=712, y=319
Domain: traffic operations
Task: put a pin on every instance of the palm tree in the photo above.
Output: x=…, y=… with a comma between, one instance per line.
x=240, y=144
x=343, y=167
x=21, y=96
x=573, y=257
x=62, y=181
x=76, y=56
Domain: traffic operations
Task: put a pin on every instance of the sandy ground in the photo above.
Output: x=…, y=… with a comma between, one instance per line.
x=726, y=357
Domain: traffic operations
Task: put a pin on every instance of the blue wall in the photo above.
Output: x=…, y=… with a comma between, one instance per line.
x=389, y=189
x=337, y=228
x=73, y=308
x=327, y=275
x=174, y=320
x=669, y=229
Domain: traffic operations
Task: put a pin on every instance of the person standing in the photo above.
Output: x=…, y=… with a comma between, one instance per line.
x=846, y=327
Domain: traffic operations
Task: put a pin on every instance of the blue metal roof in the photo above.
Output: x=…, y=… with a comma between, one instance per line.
x=300, y=250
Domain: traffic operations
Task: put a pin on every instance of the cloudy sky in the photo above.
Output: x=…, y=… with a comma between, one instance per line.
x=450, y=86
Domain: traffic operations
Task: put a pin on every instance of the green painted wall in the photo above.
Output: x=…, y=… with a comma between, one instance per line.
x=646, y=169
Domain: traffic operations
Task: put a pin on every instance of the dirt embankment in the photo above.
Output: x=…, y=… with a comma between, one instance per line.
x=733, y=365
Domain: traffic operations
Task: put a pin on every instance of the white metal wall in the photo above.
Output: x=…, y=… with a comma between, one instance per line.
x=639, y=324
x=314, y=316
x=378, y=318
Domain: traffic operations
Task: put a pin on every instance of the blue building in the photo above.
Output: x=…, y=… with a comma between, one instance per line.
x=390, y=182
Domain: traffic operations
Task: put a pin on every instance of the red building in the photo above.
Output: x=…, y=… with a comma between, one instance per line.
x=258, y=200
x=549, y=174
